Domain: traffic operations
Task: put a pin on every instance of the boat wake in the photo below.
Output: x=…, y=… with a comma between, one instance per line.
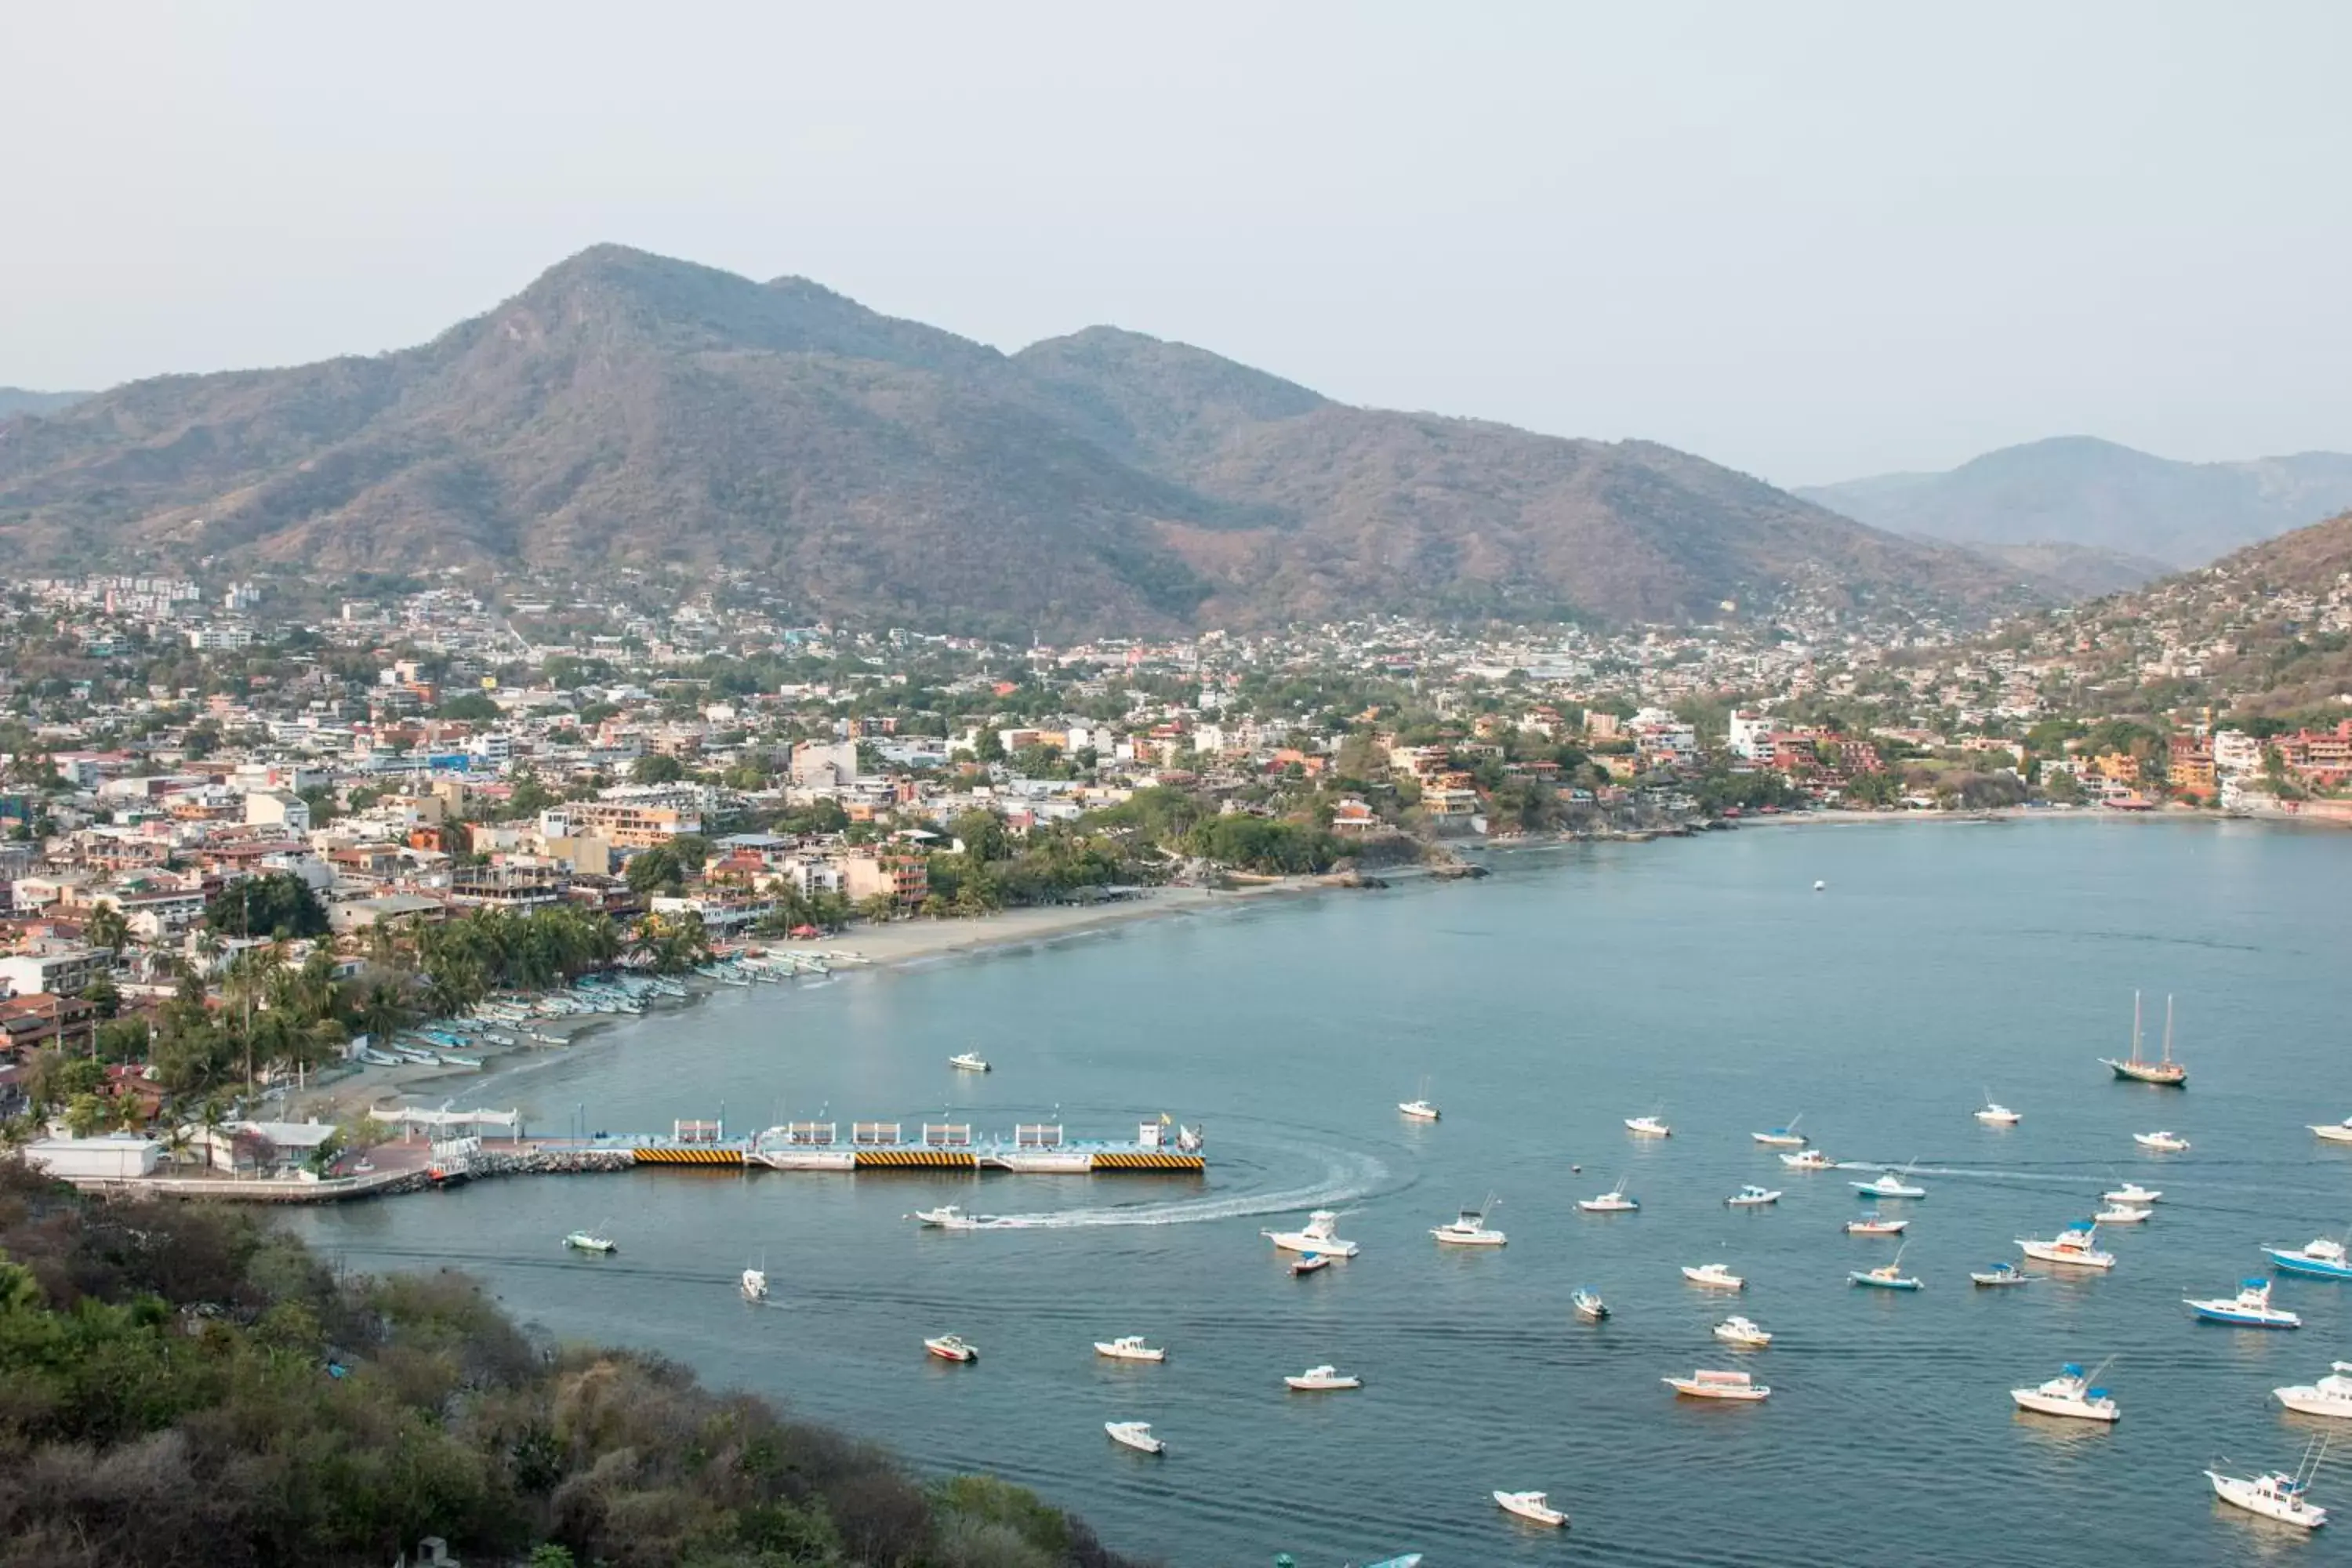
x=1345, y=1179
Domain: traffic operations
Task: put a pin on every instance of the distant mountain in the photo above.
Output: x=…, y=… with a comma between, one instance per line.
x=2076, y=490
x=17, y=400
x=2069, y=572
x=630, y=410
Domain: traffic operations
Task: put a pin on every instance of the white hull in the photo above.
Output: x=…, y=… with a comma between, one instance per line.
x=1469, y=1238
x=2308, y=1399
x=1301, y=1241
x=1115, y=1352
x=2122, y=1215
x=1531, y=1507
x=1741, y=1391
x=1640, y=1128
x=1322, y=1384
x=1417, y=1111
x=2074, y=1409
x=1134, y=1434
x=1778, y=1140
x=1701, y=1277
x=2043, y=1252
x=2254, y=1498
x=2335, y=1132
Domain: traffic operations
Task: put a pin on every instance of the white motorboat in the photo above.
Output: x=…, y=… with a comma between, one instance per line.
x=1742, y=1332
x=2331, y=1395
x=1992, y=1114
x=951, y=1347
x=2069, y=1395
x=1782, y=1137
x=1613, y=1201
x=969, y=1061
x=1321, y=1236
x=2335, y=1132
x=1705, y=1384
x=1136, y=1434
x=1887, y=1184
x=1753, y=1197
x=1875, y=1223
x=2132, y=1193
x=1886, y=1276
x=1469, y=1228
x=1648, y=1127
x=1533, y=1508
x=1714, y=1277
x=2162, y=1143
x=2321, y=1257
x=2002, y=1274
x=1417, y=1111
x=1309, y=1263
x=1809, y=1160
x=755, y=1285
x=948, y=1216
x=2122, y=1214
x=2076, y=1246
x=2277, y=1495
x=2249, y=1309
x=1322, y=1380
x=591, y=1241
x=1129, y=1347
x=1588, y=1305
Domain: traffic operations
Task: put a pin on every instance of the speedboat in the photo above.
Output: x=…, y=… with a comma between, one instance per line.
x=2335, y=1132
x=1705, y=1384
x=951, y=1347
x=1753, y=1197
x=2077, y=1246
x=1992, y=1114
x=1309, y=1263
x=2122, y=1214
x=755, y=1285
x=1875, y=1224
x=2162, y=1143
x=1888, y=1276
x=969, y=1061
x=1129, y=1347
x=948, y=1216
x=1782, y=1137
x=2132, y=1193
x=1613, y=1201
x=2331, y=1395
x=2002, y=1274
x=1714, y=1277
x=1136, y=1434
x=1809, y=1160
x=1469, y=1228
x=1743, y=1332
x=2168, y=1073
x=2069, y=1393
x=1321, y=1236
x=1531, y=1507
x=590, y=1241
x=2249, y=1309
x=1417, y=1111
x=1648, y=1127
x=1588, y=1305
x=1322, y=1380
x=2276, y=1495
x=2320, y=1258
x=1887, y=1185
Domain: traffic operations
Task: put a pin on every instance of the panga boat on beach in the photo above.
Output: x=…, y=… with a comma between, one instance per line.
x=1322, y=1380
x=1705, y=1384
x=2070, y=1395
x=1875, y=1223
x=1809, y=1160
x=2277, y=1495
x=1744, y=1333
x=1648, y=1127
x=2002, y=1274
x=1129, y=1347
x=1136, y=1434
x=2162, y=1143
x=2331, y=1395
x=2249, y=1309
x=1533, y=1508
x=2318, y=1260
x=591, y=1241
x=969, y=1061
x=951, y=1347
x=2076, y=1246
x=1613, y=1201
x=1714, y=1277
x=1753, y=1197
x=1469, y=1228
x=2167, y=1073
x=1588, y=1305
x=1321, y=1236
x=2122, y=1214
x=2132, y=1193
x=1782, y=1137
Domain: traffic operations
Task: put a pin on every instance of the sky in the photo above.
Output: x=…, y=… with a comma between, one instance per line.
x=1811, y=241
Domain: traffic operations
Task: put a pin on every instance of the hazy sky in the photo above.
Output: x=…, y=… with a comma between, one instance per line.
x=1808, y=240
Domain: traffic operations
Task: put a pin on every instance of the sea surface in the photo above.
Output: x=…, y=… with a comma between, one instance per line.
x=1705, y=980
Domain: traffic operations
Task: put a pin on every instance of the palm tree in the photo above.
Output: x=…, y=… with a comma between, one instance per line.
x=108, y=929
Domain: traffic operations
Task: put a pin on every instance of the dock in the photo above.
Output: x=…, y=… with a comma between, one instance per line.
x=1034, y=1149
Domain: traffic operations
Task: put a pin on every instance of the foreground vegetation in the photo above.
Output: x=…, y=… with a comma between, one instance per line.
x=183, y=1385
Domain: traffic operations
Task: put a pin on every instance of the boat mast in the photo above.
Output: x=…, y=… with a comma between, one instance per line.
x=2135, y=1053
x=2168, y=1030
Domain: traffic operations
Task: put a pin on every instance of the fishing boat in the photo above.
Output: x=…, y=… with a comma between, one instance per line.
x=1319, y=1236
x=2077, y=1246
x=1744, y=1333
x=1875, y=1224
x=1887, y=1184
x=1809, y=1160
x=754, y=1285
x=2069, y=1395
x=1417, y=1111
x=1469, y=1227
x=1714, y=1277
x=591, y=1241
x=1613, y=1201
x=1705, y=1384
x=2002, y=1274
x=1992, y=1114
x=1309, y=1263
x=952, y=1347
x=1753, y=1197
x=2335, y=1132
x=1888, y=1276
x=2162, y=1143
x=2331, y=1395
x=1533, y=1508
x=969, y=1061
x=1782, y=1137
x=1136, y=1434
x=1648, y=1127
x=2249, y=1309
x=2319, y=1259
x=1588, y=1305
x=2132, y=1193
x=2167, y=1073
x=1129, y=1347
x=1322, y=1380
x=2277, y=1495
x=2122, y=1214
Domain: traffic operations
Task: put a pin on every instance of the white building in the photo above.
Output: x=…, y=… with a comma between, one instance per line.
x=833, y=766
x=1751, y=736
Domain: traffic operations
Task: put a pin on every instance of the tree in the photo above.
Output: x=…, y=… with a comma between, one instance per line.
x=108, y=929
x=655, y=870
x=123, y=1040
x=279, y=904
x=473, y=706
x=656, y=769
x=103, y=994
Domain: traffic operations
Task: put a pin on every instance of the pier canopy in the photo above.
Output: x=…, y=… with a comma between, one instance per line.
x=414, y=1119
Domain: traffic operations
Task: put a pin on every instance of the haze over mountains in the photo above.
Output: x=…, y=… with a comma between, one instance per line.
x=18, y=400
x=629, y=409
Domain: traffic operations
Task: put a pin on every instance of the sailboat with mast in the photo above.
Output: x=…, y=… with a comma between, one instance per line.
x=2168, y=1073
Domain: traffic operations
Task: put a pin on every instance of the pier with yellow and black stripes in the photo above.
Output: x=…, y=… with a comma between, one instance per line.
x=1161, y=1146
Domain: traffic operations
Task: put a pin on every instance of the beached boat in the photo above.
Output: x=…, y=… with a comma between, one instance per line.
x=1469, y=1227
x=2330, y=1397
x=2069, y=1395
x=1714, y=1277
x=2132, y=1193
x=1533, y=1508
x=951, y=1347
x=591, y=1241
x=2162, y=1143
x=2320, y=1258
x=1887, y=1184
x=1129, y=1347
x=1782, y=1137
x=2277, y=1495
x=1136, y=1434
x=1875, y=1224
x=1588, y=1305
x=2076, y=1246
x=1320, y=1234
x=2249, y=1309
x=1705, y=1384
x=1648, y=1127
x=1309, y=1263
x=1322, y=1380
x=1613, y=1201
x=1744, y=1333
x=969, y=1061
x=1753, y=1197
x=1809, y=1160
x=2002, y=1274
x=2166, y=1073
x=2122, y=1214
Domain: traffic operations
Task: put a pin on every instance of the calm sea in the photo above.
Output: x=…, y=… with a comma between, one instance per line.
x=1705, y=980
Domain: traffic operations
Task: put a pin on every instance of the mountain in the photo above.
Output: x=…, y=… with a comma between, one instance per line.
x=17, y=400
x=2079, y=491
x=2069, y=572
x=627, y=409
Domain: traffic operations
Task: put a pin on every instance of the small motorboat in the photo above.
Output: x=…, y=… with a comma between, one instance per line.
x=1782, y=1137
x=755, y=1285
x=1992, y=1114
x=2335, y=1132
x=1613, y=1201
x=1320, y=1234
x=2002, y=1274
x=2249, y=1309
x=952, y=1347
x=2122, y=1214
x=591, y=1241
x=1888, y=1276
x=2331, y=1395
x=2162, y=1143
x=2320, y=1258
x=2076, y=1246
x=1648, y=1127
x=1469, y=1228
x=948, y=1216
x=1588, y=1305
x=1417, y=1111
x=1875, y=1224
x=2069, y=1395
x=1129, y=1347
x=1742, y=1332
x=1705, y=1384
x=1753, y=1197
x=2276, y=1495
x=1322, y=1380
x=1309, y=1263
x=1887, y=1184
x=1136, y=1434
x=969, y=1061
x=1714, y=1277
x=1533, y=1508
x=2132, y=1193
x=1809, y=1159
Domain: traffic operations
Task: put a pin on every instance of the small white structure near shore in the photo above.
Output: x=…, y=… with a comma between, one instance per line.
x=115, y=1158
